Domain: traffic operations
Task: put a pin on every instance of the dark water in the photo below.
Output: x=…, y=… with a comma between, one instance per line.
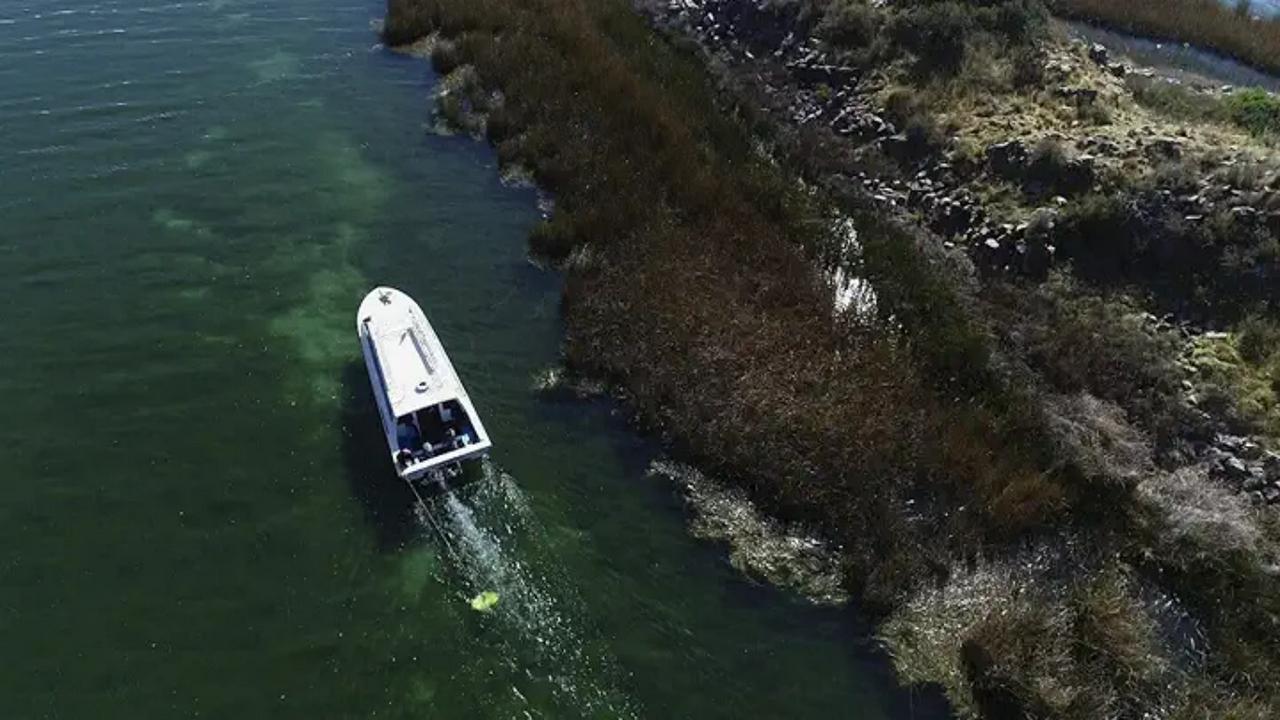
x=195, y=513
x=1184, y=62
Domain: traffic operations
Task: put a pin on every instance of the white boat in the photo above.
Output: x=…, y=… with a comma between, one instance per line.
x=427, y=415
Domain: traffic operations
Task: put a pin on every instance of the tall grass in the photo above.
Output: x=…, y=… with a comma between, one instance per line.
x=1210, y=24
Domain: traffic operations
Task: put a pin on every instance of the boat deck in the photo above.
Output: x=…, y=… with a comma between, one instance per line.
x=414, y=382
x=403, y=343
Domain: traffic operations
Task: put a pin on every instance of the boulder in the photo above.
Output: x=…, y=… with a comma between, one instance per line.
x=1228, y=443
x=1099, y=54
x=1038, y=257
x=1256, y=480
x=1008, y=159
x=1271, y=466
x=1164, y=149
x=1271, y=494
x=1061, y=176
x=1078, y=95
x=1246, y=214
x=1234, y=469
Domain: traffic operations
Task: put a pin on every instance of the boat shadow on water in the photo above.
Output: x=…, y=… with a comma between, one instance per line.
x=387, y=500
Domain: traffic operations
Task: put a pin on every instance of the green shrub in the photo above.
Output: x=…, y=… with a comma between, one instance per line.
x=1214, y=269
x=909, y=111
x=1241, y=372
x=1259, y=339
x=553, y=238
x=938, y=34
x=849, y=24
x=1255, y=110
x=1176, y=100
x=1178, y=176
x=1082, y=341
x=1028, y=67
x=1051, y=169
x=444, y=57
x=1016, y=22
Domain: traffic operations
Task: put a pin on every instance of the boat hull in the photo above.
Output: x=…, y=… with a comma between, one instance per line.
x=428, y=419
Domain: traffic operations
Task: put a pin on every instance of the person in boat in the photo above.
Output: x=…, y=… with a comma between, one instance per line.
x=407, y=437
x=404, y=457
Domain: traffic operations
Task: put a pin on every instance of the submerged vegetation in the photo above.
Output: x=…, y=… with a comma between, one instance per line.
x=989, y=459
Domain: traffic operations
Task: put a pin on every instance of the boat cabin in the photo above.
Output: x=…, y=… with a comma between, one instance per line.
x=433, y=431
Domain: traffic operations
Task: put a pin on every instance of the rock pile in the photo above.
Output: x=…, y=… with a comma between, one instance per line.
x=1243, y=464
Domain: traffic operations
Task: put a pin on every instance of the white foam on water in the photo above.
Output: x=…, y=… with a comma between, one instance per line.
x=537, y=608
x=498, y=486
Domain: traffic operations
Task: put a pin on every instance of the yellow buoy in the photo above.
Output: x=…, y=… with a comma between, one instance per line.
x=485, y=601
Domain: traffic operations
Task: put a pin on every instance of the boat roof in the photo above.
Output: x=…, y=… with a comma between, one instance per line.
x=415, y=370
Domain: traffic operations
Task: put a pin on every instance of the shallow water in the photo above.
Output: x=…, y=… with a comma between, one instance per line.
x=197, y=515
x=1264, y=8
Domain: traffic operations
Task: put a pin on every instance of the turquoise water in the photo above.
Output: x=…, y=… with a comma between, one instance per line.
x=197, y=517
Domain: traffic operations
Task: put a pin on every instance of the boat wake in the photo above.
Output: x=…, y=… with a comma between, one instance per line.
x=498, y=546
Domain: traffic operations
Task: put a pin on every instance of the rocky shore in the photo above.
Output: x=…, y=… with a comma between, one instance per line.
x=770, y=49
x=770, y=53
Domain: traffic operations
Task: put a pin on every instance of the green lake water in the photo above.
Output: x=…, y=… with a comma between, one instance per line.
x=197, y=516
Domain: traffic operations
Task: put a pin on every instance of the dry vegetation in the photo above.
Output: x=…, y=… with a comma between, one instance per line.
x=693, y=287
x=985, y=464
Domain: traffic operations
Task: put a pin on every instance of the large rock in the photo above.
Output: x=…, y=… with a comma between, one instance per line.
x=1234, y=469
x=1164, y=149
x=1099, y=54
x=1271, y=494
x=1257, y=479
x=1079, y=95
x=1061, y=175
x=1271, y=466
x=1008, y=159
x=1037, y=257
